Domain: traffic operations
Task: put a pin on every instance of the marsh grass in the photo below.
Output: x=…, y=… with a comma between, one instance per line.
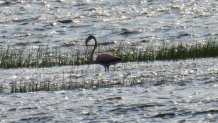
x=70, y=81
x=173, y=52
x=44, y=56
x=34, y=86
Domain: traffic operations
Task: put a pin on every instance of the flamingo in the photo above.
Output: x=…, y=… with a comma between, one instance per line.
x=103, y=59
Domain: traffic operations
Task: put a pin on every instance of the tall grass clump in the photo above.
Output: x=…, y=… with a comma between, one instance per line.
x=173, y=52
x=22, y=86
x=207, y=49
x=43, y=56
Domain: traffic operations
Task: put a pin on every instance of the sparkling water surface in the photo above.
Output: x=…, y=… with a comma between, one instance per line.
x=189, y=94
x=58, y=22
x=171, y=91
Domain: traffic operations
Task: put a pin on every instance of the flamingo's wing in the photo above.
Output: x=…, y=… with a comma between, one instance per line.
x=107, y=58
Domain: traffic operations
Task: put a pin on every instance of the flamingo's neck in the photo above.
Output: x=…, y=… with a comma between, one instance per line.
x=95, y=46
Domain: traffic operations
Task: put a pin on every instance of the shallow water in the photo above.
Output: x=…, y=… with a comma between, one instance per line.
x=62, y=23
x=188, y=93
x=160, y=91
x=168, y=103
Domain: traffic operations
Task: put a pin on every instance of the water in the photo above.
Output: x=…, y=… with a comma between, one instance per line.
x=189, y=94
x=171, y=103
x=61, y=22
x=171, y=91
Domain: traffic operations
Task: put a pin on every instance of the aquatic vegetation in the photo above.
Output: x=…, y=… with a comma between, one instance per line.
x=173, y=52
x=33, y=86
x=41, y=57
x=47, y=57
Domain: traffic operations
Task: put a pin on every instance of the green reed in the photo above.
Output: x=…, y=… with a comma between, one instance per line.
x=174, y=52
x=43, y=56
x=34, y=86
x=21, y=86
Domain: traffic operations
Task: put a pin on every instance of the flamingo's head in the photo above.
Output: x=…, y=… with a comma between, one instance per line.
x=90, y=38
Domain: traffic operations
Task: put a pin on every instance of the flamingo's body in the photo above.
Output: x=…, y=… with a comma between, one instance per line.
x=103, y=59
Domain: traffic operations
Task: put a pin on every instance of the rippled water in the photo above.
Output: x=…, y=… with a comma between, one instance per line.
x=61, y=22
x=189, y=94
x=169, y=91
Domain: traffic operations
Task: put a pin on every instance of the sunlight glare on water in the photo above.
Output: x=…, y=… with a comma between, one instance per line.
x=64, y=21
x=172, y=91
x=159, y=91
